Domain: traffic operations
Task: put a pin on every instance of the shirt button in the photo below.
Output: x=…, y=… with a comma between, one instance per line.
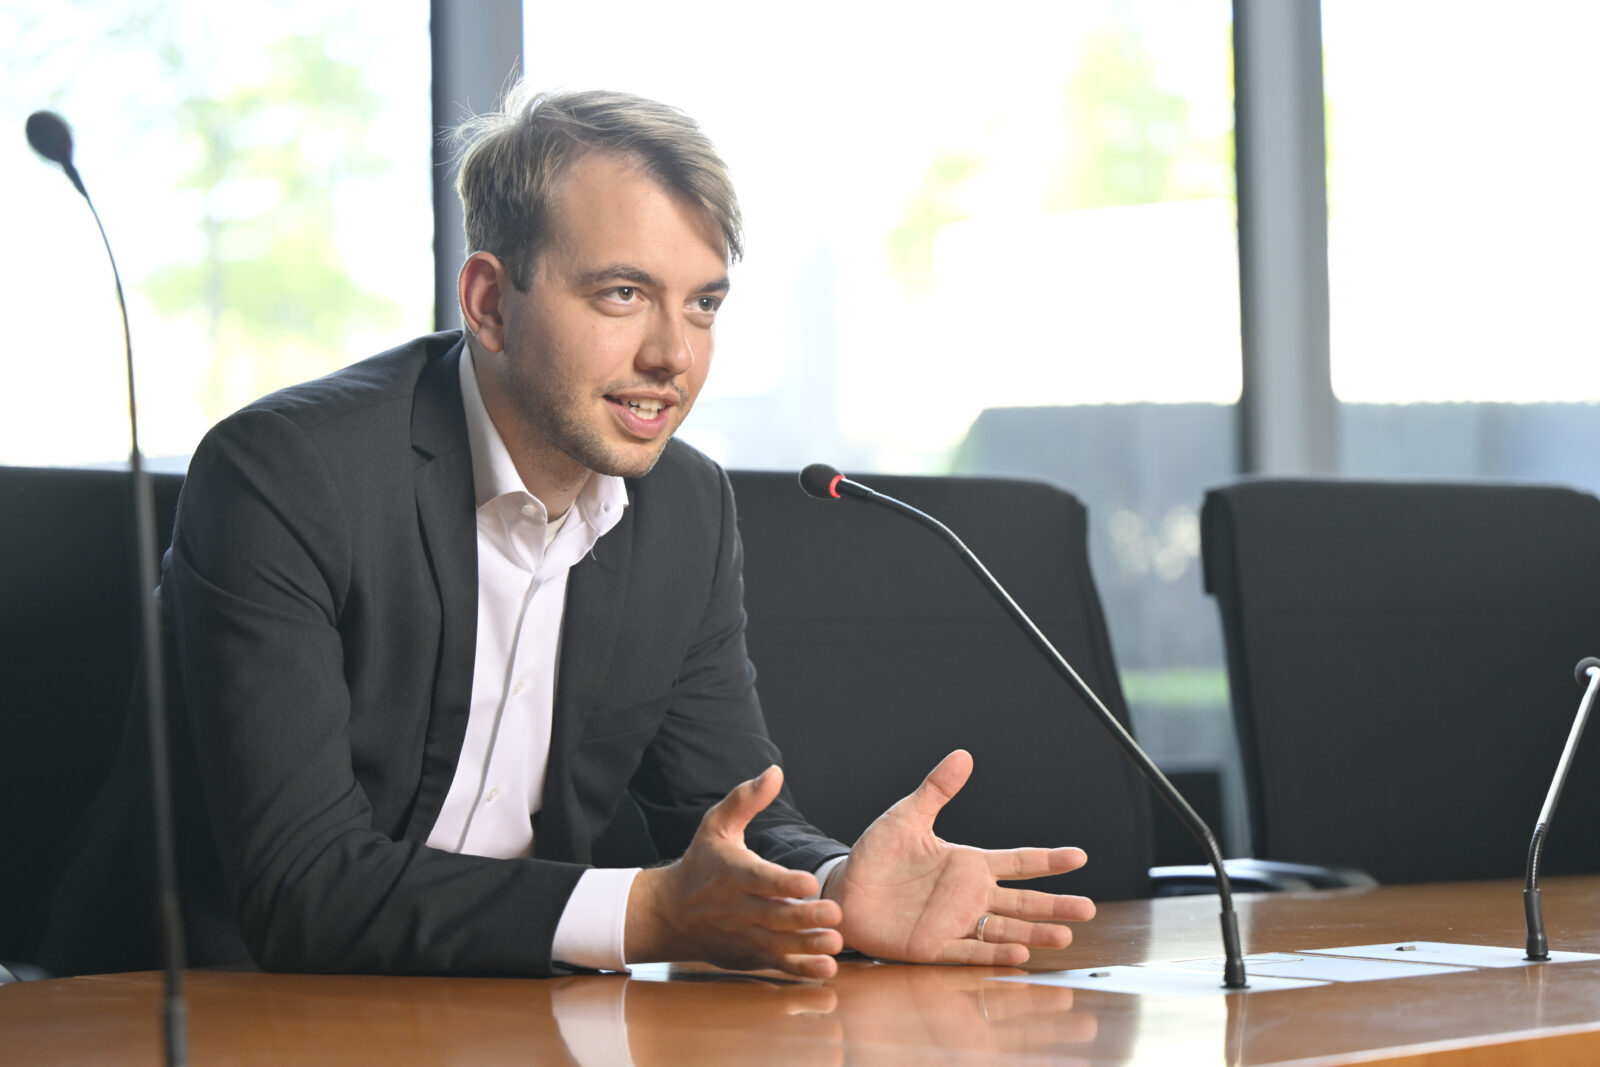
x=516, y=690
x=493, y=793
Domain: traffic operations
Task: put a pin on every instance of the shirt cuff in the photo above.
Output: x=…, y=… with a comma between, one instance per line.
x=823, y=872
x=590, y=933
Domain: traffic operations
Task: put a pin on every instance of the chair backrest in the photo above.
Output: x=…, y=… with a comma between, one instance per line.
x=1401, y=660
x=69, y=643
x=878, y=652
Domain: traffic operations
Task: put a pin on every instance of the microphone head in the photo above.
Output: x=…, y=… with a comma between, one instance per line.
x=821, y=481
x=1585, y=665
x=50, y=137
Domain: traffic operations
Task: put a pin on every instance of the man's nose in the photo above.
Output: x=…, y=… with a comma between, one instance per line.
x=667, y=350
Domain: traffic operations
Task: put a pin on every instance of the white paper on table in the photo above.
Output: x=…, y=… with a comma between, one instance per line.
x=1158, y=980
x=1450, y=954
x=1326, y=968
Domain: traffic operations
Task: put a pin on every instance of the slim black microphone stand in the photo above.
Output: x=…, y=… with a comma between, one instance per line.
x=49, y=135
x=834, y=484
x=1588, y=675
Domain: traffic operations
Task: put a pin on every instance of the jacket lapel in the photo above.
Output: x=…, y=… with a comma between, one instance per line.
x=448, y=529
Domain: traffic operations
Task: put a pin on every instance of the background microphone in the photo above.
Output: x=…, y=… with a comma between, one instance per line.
x=1588, y=675
x=52, y=139
x=826, y=483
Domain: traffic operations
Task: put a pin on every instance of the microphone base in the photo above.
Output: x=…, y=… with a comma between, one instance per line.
x=1533, y=911
x=1233, y=970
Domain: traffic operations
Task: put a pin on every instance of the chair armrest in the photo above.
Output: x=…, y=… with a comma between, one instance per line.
x=11, y=971
x=1320, y=876
x=1256, y=876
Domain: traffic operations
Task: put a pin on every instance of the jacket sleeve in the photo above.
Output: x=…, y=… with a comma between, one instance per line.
x=713, y=735
x=262, y=586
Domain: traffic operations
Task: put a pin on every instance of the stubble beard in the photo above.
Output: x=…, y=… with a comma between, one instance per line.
x=555, y=415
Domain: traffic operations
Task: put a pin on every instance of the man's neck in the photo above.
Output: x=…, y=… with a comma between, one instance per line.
x=554, y=478
x=558, y=500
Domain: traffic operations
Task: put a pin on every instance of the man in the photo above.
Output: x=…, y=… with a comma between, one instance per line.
x=433, y=614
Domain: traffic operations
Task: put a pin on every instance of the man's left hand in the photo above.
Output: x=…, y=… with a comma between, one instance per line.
x=907, y=895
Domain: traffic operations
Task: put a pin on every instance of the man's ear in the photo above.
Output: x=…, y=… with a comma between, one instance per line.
x=481, y=285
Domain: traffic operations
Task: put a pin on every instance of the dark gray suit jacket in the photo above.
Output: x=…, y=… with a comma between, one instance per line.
x=321, y=597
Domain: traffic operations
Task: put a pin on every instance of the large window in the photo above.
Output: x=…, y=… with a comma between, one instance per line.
x=261, y=167
x=1462, y=220
x=1000, y=244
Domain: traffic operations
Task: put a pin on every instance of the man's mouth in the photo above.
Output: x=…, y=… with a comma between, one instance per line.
x=644, y=413
x=646, y=409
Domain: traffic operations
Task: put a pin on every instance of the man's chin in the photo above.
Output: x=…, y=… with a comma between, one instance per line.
x=633, y=462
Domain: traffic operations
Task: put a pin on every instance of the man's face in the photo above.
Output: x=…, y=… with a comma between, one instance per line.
x=605, y=353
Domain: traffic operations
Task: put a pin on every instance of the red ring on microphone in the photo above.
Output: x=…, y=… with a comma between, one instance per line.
x=833, y=486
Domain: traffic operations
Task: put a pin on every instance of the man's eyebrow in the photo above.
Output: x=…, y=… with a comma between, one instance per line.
x=616, y=272
x=626, y=273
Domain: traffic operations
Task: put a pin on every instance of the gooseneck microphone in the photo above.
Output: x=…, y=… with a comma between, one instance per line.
x=1588, y=675
x=52, y=139
x=826, y=483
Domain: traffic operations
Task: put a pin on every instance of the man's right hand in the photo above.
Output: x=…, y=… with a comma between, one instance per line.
x=723, y=904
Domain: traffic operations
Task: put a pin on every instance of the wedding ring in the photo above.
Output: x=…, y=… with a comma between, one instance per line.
x=982, y=922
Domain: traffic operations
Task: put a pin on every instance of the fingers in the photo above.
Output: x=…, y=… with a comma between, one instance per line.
x=788, y=915
x=749, y=874
x=822, y=966
x=1016, y=923
x=781, y=936
x=1022, y=917
x=1002, y=929
x=721, y=924
x=941, y=784
x=1010, y=864
x=722, y=903
x=804, y=953
x=760, y=892
x=1006, y=943
x=1030, y=904
x=767, y=945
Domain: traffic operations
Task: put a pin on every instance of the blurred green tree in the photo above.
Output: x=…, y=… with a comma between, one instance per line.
x=1128, y=139
x=268, y=282
x=1122, y=138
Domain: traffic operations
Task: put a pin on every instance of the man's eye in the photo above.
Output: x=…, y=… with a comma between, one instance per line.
x=625, y=292
x=708, y=303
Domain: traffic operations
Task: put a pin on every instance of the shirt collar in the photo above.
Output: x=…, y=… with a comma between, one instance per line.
x=494, y=475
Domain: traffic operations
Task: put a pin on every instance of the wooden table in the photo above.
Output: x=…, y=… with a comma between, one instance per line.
x=880, y=1013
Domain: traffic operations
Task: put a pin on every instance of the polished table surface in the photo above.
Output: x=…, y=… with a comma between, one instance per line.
x=884, y=1013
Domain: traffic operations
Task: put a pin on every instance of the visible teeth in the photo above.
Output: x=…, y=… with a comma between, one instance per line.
x=648, y=408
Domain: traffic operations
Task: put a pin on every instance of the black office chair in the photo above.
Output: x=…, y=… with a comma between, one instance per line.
x=878, y=652
x=1401, y=660
x=69, y=643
